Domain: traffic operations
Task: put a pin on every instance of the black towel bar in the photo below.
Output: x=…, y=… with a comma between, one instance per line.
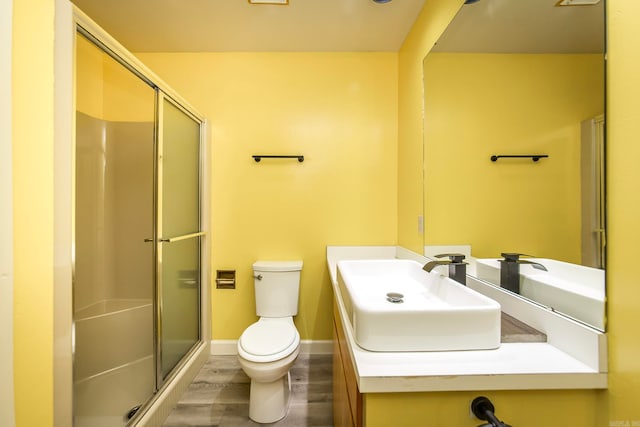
x=259, y=157
x=534, y=157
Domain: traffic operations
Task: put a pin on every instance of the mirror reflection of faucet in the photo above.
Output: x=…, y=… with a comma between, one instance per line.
x=457, y=266
x=510, y=270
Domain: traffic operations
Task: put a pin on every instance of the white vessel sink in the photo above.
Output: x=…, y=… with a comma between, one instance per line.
x=572, y=289
x=435, y=312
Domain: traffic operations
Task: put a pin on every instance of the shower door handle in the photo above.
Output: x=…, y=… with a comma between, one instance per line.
x=183, y=237
x=176, y=239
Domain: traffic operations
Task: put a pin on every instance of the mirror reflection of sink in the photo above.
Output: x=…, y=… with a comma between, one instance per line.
x=572, y=289
x=394, y=305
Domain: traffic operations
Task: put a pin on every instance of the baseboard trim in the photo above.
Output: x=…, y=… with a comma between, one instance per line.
x=224, y=347
x=230, y=347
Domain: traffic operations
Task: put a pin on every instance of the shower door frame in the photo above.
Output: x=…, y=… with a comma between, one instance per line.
x=68, y=20
x=7, y=416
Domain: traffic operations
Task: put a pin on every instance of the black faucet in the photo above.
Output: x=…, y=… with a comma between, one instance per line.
x=457, y=266
x=510, y=270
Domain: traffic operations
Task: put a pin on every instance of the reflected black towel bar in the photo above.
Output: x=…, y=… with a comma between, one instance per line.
x=259, y=157
x=534, y=157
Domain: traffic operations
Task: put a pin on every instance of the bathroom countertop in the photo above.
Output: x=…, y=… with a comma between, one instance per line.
x=512, y=366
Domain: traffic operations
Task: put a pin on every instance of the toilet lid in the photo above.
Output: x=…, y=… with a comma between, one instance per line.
x=266, y=338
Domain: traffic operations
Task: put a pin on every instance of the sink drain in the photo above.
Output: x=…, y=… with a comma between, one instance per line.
x=395, y=297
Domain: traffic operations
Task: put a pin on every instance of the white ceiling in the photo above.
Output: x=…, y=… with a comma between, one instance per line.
x=525, y=26
x=236, y=25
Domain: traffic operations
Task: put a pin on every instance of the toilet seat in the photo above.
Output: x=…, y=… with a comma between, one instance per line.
x=268, y=341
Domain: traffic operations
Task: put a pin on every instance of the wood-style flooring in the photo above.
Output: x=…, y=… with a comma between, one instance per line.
x=219, y=395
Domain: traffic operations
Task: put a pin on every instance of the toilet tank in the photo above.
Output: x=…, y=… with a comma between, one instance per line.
x=277, y=285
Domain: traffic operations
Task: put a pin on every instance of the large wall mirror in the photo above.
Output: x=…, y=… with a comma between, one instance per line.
x=519, y=78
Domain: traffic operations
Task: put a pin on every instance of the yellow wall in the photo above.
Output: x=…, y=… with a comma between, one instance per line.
x=32, y=123
x=89, y=78
x=432, y=21
x=623, y=200
x=478, y=105
x=106, y=90
x=337, y=109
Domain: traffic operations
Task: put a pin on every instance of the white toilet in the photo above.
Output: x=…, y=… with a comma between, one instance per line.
x=268, y=348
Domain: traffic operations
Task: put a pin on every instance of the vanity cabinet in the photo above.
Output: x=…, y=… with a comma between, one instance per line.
x=529, y=379
x=347, y=399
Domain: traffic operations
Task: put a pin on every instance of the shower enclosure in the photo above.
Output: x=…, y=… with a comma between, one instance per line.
x=137, y=237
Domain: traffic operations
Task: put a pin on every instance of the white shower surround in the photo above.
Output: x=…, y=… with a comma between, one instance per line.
x=112, y=379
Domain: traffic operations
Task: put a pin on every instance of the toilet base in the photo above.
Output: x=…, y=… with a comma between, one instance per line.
x=269, y=402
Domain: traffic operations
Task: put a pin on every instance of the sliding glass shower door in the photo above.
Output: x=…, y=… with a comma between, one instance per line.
x=114, y=268
x=179, y=228
x=137, y=238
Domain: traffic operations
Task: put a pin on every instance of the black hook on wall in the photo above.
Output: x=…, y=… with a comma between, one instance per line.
x=484, y=410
